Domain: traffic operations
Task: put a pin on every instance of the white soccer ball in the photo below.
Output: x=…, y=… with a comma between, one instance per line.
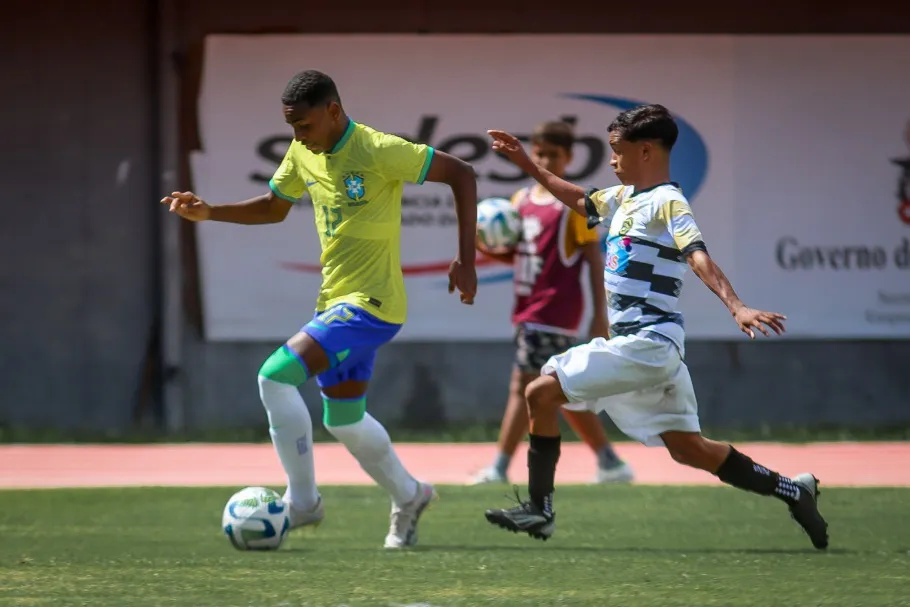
x=256, y=518
x=498, y=224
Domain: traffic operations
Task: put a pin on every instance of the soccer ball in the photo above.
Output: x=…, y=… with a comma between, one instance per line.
x=256, y=518
x=498, y=224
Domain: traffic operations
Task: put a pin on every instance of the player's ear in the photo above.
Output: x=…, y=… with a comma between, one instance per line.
x=334, y=110
x=646, y=150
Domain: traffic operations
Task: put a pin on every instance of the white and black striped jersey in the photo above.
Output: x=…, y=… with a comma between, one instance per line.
x=650, y=234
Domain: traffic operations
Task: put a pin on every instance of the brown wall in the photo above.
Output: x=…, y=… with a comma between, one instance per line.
x=78, y=259
x=531, y=16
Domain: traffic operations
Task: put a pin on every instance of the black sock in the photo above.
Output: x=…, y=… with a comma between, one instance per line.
x=542, y=457
x=741, y=472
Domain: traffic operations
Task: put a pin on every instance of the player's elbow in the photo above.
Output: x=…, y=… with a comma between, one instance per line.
x=580, y=207
x=696, y=255
x=277, y=209
x=453, y=171
x=462, y=174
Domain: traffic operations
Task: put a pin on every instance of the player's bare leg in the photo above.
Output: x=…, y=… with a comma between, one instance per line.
x=368, y=441
x=535, y=516
x=588, y=427
x=514, y=428
x=733, y=468
x=290, y=425
x=512, y=431
x=515, y=422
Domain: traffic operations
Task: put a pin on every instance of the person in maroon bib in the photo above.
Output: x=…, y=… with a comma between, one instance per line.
x=549, y=303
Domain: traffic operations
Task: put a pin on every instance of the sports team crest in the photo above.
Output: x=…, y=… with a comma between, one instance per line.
x=626, y=226
x=354, y=186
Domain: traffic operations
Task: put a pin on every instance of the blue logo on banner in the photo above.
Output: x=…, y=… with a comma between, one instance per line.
x=689, y=161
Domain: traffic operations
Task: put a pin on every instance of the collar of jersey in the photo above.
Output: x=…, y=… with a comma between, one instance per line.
x=653, y=187
x=344, y=138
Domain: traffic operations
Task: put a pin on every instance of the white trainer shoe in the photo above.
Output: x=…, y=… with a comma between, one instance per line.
x=304, y=518
x=617, y=474
x=403, y=528
x=489, y=475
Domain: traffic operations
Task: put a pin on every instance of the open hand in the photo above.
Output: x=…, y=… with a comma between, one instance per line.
x=510, y=147
x=749, y=319
x=187, y=205
x=464, y=278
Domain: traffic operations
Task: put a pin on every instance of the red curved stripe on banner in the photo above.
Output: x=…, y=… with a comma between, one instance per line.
x=429, y=268
x=903, y=211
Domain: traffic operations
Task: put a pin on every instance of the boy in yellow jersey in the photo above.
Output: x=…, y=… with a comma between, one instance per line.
x=354, y=176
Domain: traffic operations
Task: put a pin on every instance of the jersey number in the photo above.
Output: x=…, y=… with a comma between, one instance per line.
x=341, y=313
x=331, y=224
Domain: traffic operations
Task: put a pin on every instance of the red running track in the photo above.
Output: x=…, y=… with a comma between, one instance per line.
x=47, y=466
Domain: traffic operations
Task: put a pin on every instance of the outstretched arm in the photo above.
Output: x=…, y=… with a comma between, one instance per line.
x=264, y=209
x=747, y=318
x=714, y=278
x=285, y=188
x=569, y=194
x=677, y=215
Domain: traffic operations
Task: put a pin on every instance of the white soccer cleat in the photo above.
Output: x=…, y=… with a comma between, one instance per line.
x=489, y=475
x=403, y=528
x=617, y=474
x=304, y=518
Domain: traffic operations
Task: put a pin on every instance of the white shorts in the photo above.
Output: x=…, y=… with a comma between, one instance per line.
x=640, y=381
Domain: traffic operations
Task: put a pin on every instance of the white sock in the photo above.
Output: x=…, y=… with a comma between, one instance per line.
x=369, y=442
x=292, y=435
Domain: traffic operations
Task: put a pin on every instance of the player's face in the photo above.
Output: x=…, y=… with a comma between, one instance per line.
x=626, y=158
x=314, y=127
x=551, y=157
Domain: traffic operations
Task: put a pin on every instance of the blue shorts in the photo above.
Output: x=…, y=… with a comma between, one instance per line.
x=350, y=338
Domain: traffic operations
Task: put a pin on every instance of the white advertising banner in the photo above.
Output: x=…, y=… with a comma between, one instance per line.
x=794, y=152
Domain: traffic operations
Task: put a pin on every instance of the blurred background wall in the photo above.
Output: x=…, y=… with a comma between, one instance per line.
x=99, y=120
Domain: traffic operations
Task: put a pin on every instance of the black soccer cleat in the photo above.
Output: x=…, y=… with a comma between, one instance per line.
x=524, y=518
x=805, y=511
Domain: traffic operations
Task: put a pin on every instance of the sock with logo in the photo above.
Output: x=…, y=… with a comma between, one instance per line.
x=740, y=471
x=543, y=455
x=369, y=442
x=290, y=425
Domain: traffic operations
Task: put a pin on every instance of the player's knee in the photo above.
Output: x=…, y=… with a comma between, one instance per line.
x=339, y=412
x=311, y=354
x=679, y=455
x=686, y=448
x=544, y=393
x=518, y=383
x=284, y=366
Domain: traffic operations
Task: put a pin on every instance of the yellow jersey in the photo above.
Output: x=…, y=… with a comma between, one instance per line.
x=356, y=192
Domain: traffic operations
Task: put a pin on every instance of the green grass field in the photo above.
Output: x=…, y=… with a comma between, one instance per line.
x=631, y=545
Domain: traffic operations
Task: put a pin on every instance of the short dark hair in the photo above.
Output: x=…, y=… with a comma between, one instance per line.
x=310, y=88
x=646, y=122
x=556, y=132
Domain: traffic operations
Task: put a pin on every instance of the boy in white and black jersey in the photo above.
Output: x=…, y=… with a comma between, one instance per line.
x=638, y=375
x=645, y=262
